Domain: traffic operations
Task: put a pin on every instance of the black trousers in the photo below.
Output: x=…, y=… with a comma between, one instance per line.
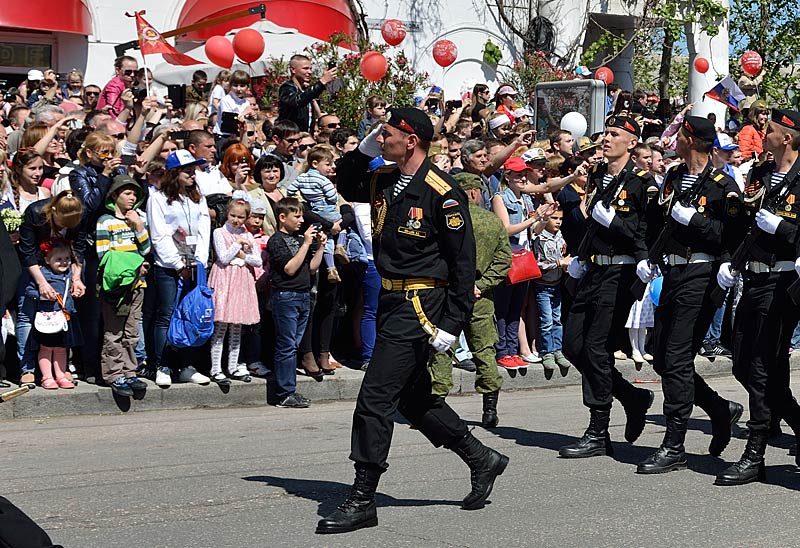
x=398, y=380
x=682, y=319
x=596, y=318
x=762, y=333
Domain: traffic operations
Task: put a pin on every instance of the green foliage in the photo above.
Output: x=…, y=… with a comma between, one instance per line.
x=398, y=86
x=491, y=53
x=532, y=69
x=647, y=61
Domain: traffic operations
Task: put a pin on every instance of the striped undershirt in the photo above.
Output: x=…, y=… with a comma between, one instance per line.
x=688, y=182
x=401, y=185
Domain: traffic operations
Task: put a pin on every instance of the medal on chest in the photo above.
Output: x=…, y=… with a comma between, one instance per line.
x=414, y=217
x=701, y=204
x=622, y=196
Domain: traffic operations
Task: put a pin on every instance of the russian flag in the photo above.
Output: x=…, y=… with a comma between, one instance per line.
x=727, y=93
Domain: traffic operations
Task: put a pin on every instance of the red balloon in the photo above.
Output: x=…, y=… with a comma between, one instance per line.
x=219, y=51
x=751, y=62
x=248, y=45
x=373, y=66
x=445, y=53
x=393, y=31
x=605, y=74
x=701, y=65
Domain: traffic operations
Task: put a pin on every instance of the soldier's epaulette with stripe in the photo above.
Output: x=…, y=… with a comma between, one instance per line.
x=642, y=173
x=595, y=167
x=437, y=183
x=386, y=168
x=719, y=177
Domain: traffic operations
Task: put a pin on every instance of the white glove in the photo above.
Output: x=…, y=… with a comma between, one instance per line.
x=683, y=214
x=767, y=221
x=370, y=145
x=442, y=340
x=576, y=268
x=797, y=266
x=644, y=271
x=725, y=277
x=603, y=215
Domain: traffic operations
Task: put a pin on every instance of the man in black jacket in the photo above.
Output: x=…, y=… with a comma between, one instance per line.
x=296, y=95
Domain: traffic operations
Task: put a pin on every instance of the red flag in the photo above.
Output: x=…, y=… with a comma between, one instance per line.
x=150, y=41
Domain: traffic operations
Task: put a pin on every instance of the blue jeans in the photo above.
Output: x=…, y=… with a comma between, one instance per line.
x=290, y=312
x=796, y=337
x=548, y=300
x=26, y=346
x=715, y=329
x=371, y=287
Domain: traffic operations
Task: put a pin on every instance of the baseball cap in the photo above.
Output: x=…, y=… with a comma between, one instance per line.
x=35, y=75
x=724, y=142
x=583, y=70
x=522, y=112
x=534, y=154
x=411, y=120
x=182, y=158
x=516, y=163
x=506, y=90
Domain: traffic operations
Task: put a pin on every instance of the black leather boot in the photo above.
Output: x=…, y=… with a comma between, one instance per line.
x=671, y=455
x=595, y=441
x=636, y=413
x=358, y=510
x=489, y=419
x=485, y=464
x=750, y=467
x=722, y=419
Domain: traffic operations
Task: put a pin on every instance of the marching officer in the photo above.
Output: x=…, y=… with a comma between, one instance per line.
x=616, y=199
x=492, y=266
x=700, y=210
x=425, y=252
x=766, y=316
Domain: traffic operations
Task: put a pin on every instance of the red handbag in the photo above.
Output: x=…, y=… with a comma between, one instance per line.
x=523, y=267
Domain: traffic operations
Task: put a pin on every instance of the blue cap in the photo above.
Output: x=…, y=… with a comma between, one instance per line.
x=182, y=158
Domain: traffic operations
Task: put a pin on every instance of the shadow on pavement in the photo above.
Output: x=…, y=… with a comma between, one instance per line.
x=329, y=494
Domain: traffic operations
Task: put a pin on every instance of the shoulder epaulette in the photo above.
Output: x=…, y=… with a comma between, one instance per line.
x=719, y=177
x=437, y=183
x=386, y=168
x=642, y=172
x=595, y=167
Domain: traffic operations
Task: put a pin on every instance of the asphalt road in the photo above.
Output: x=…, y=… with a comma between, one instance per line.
x=262, y=477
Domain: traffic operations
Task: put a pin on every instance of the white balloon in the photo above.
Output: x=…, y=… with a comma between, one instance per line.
x=575, y=123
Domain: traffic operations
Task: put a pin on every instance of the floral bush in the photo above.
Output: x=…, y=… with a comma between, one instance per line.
x=532, y=69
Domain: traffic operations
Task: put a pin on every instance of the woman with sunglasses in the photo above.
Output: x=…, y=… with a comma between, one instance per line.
x=504, y=101
x=125, y=68
x=180, y=233
x=480, y=97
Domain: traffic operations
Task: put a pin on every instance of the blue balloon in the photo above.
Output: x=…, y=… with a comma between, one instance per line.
x=655, y=289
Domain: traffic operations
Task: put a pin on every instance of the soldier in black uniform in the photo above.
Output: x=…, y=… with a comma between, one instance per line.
x=425, y=252
x=701, y=208
x=766, y=316
x=616, y=194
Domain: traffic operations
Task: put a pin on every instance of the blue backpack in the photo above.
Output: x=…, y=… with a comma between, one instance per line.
x=192, y=322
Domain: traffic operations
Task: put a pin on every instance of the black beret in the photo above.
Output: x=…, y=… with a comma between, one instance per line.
x=699, y=127
x=786, y=118
x=411, y=120
x=627, y=123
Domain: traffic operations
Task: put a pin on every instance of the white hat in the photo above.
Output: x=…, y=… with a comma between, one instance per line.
x=506, y=90
x=182, y=158
x=35, y=75
x=522, y=112
x=258, y=206
x=725, y=142
x=534, y=154
x=498, y=121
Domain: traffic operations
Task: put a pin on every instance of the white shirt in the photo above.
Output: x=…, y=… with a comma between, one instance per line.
x=217, y=93
x=165, y=219
x=212, y=182
x=229, y=103
x=364, y=225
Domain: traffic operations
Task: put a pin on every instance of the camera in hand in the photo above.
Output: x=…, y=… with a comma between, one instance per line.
x=179, y=135
x=454, y=104
x=128, y=159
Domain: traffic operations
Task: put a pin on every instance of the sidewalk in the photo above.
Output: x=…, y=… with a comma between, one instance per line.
x=87, y=399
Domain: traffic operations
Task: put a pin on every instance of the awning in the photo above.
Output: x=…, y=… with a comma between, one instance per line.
x=317, y=18
x=62, y=16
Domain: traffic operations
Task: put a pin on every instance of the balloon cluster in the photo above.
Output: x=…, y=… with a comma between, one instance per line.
x=248, y=45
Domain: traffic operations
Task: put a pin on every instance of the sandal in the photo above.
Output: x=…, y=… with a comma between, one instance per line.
x=221, y=379
x=49, y=384
x=64, y=382
x=27, y=379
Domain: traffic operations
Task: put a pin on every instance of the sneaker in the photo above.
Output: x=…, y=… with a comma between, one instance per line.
x=508, y=362
x=720, y=350
x=562, y=362
x=136, y=384
x=164, y=376
x=707, y=350
x=533, y=357
x=302, y=398
x=146, y=373
x=620, y=355
x=190, y=374
x=522, y=364
x=364, y=366
x=648, y=357
x=258, y=369
x=121, y=388
x=549, y=361
x=467, y=365
x=292, y=402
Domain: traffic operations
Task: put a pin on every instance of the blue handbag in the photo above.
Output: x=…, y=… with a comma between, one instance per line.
x=192, y=321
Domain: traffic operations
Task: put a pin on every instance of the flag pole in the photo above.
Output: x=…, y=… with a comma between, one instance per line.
x=146, y=71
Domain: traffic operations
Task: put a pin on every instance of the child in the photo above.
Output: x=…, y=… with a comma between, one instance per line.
x=235, y=101
x=57, y=271
x=251, y=335
x=124, y=230
x=222, y=85
x=292, y=262
x=550, y=249
x=376, y=110
x=317, y=189
x=196, y=93
x=233, y=280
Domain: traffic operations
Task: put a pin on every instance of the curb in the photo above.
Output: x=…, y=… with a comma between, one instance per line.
x=88, y=399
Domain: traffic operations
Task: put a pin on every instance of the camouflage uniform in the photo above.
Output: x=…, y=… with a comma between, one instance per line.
x=493, y=263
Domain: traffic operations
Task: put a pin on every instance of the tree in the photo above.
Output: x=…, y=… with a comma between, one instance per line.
x=772, y=28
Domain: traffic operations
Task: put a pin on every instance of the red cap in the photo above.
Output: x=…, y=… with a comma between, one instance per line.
x=516, y=164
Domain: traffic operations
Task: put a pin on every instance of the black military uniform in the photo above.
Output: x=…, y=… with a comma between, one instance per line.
x=766, y=316
x=685, y=310
x=425, y=252
x=603, y=301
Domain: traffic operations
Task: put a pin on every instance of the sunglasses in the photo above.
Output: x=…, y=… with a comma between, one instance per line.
x=129, y=72
x=302, y=148
x=118, y=136
x=333, y=125
x=93, y=93
x=103, y=154
x=293, y=140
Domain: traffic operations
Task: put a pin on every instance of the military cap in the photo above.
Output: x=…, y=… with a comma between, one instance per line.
x=468, y=181
x=699, y=127
x=786, y=118
x=411, y=120
x=585, y=144
x=627, y=123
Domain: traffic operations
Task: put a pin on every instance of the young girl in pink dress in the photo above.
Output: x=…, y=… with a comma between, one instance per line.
x=233, y=279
